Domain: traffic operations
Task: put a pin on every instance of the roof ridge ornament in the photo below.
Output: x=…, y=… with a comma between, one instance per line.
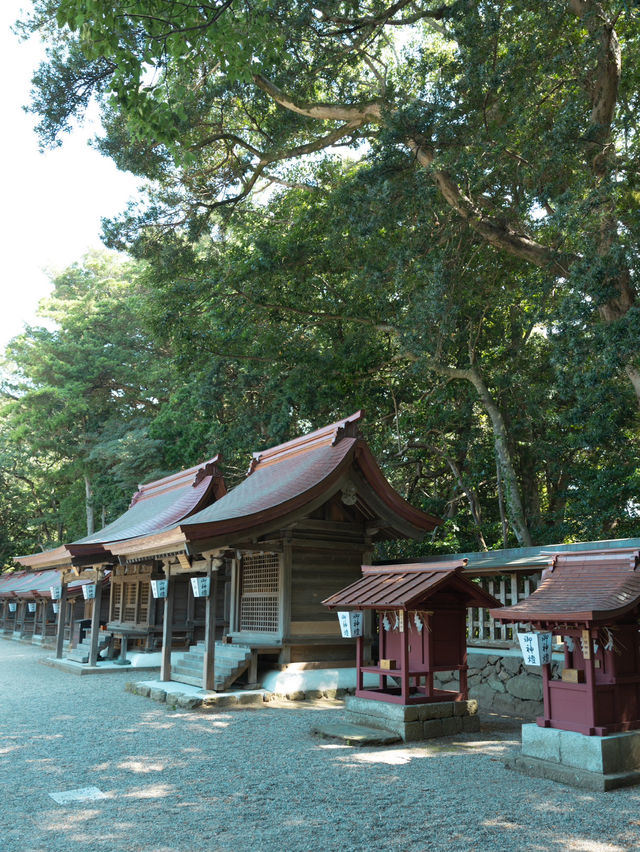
x=325, y=436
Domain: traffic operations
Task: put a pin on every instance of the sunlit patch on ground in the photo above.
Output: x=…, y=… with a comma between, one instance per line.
x=153, y=791
x=142, y=766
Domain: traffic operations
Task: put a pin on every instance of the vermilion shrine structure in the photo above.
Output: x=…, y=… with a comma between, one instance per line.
x=421, y=617
x=591, y=602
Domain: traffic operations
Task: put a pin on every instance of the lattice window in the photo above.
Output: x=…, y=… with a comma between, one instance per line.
x=130, y=595
x=116, y=601
x=143, y=603
x=260, y=594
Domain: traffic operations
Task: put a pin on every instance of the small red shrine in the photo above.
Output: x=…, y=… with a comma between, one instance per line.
x=421, y=620
x=591, y=600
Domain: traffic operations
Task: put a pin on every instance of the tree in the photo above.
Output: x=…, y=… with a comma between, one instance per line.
x=523, y=119
x=81, y=398
x=366, y=296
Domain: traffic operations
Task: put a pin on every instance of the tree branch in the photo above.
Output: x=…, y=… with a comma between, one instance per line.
x=351, y=113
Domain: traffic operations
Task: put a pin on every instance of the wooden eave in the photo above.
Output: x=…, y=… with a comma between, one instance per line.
x=406, y=586
x=593, y=587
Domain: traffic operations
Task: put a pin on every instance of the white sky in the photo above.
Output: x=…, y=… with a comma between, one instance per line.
x=53, y=202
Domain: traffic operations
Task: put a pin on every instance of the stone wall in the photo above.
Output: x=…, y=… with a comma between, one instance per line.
x=502, y=683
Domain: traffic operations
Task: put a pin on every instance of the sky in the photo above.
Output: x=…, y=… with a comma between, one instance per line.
x=53, y=202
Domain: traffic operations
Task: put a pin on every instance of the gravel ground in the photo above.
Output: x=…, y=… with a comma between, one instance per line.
x=257, y=780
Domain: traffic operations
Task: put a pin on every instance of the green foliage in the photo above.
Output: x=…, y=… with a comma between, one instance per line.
x=468, y=276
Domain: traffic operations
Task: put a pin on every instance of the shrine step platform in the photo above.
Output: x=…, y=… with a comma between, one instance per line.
x=412, y=722
x=588, y=762
x=356, y=735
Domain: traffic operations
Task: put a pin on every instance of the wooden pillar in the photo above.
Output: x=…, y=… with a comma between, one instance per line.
x=404, y=657
x=285, y=591
x=72, y=619
x=191, y=614
x=95, y=619
x=43, y=620
x=590, y=678
x=62, y=609
x=167, y=627
x=208, y=674
x=359, y=657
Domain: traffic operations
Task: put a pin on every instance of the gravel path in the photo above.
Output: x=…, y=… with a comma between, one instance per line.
x=257, y=780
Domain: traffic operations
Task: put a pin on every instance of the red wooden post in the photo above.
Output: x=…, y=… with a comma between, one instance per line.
x=546, y=696
x=404, y=659
x=590, y=680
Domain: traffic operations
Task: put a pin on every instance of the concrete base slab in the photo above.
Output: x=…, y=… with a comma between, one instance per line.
x=413, y=722
x=356, y=735
x=591, y=763
x=596, y=782
x=139, y=662
x=193, y=698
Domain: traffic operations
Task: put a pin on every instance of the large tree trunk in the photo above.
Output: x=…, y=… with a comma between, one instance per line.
x=88, y=502
x=503, y=455
x=500, y=438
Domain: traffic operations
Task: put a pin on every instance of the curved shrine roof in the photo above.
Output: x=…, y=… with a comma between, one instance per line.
x=35, y=584
x=153, y=507
x=289, y=477
x=406, y=586
x=587, y=587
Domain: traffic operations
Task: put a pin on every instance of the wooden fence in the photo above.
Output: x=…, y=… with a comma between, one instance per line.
x=508, y=589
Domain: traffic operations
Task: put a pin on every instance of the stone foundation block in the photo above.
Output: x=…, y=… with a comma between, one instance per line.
x=250, y=699
x=592, y=763
x=413, y=722
x=188, y=702
x=452, y=725
x=470, y=724
x=432, y=728
x=157, y=695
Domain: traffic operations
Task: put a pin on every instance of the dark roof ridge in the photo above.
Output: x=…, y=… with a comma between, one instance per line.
x=177, y=480
x=327, y=435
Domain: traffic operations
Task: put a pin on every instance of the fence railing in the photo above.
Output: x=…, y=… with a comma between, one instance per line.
x=482, y=629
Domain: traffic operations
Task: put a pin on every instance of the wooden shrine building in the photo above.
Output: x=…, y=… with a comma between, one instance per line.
x=592, y=601
x=128, y=613
x=421, y=616
x=302, y=521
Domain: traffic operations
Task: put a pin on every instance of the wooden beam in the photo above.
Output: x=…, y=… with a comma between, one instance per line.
x=95, y=620
x=167, y=627
x=62, y=607
x=286, y=573
x=208, y=675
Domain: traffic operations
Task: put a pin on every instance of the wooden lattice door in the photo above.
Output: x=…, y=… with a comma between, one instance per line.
x=260, y=593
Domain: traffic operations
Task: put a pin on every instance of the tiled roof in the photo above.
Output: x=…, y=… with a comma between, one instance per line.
x=291, y=475
x=154, y=506
x=585, y=587
x=34, y=584
x=163, y=502
x=525, y=559
x=406, y=586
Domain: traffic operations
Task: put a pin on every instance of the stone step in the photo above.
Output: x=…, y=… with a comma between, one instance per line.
x=356, y=735
x=230, y=662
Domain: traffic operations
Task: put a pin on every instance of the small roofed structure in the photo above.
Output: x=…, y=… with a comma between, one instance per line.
x=592, y=601
x=421, y=612
x=27, y=610
x=129, y=613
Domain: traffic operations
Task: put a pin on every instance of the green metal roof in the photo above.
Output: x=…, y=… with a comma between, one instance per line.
x=519, y=558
